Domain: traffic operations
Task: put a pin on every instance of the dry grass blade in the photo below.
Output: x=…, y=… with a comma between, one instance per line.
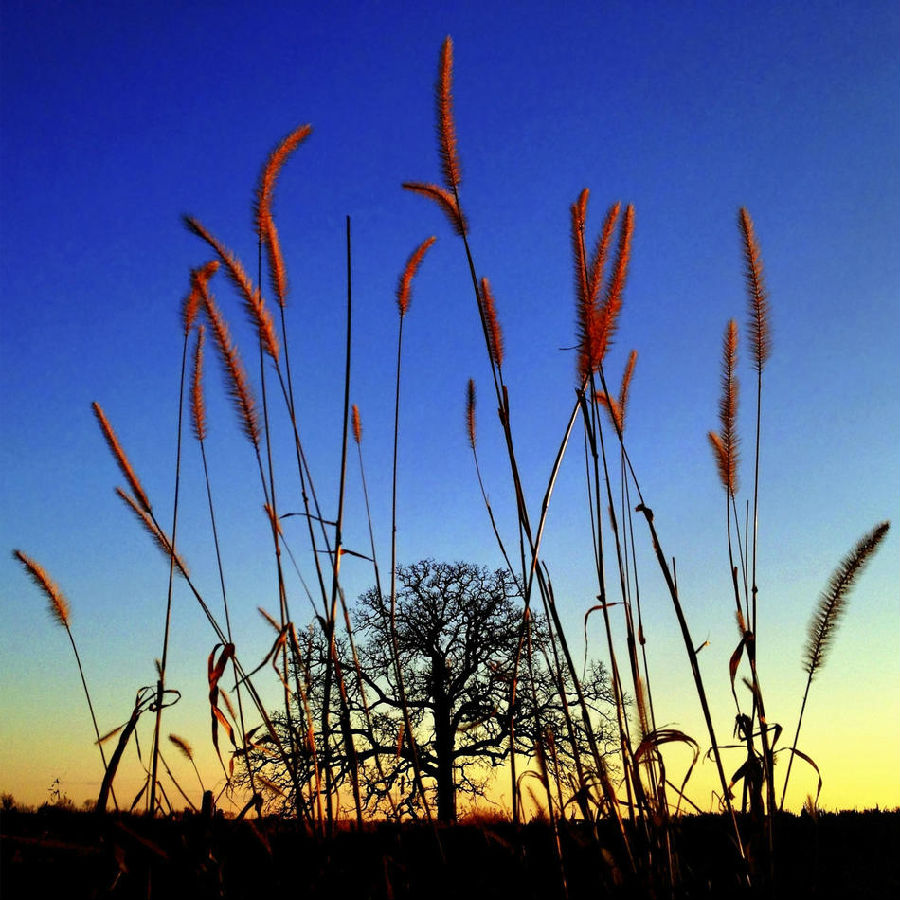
x=121, y=458
x=492, y=324
x=236, y=376
x=59, y=607
x=215, y=670
x=404, y=285
x=833, y=599
x=265, y=222
x=760, y=334
x=444, y=199
x=470, y=412
x=446, y=127
x=256, y=309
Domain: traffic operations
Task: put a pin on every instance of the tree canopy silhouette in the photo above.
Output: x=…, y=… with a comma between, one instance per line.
x=479, y=677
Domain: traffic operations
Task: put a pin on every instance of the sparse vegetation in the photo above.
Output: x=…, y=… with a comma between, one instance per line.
x=330, y=746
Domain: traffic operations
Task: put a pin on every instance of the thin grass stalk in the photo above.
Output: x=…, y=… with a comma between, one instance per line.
x=657, y=782
x=451, y=206
x=357, y=436
x=220, y=634
x=199, y=424
x=597, y=328
x=546, y=591
x=160, y=685
x=829, y=610
x=629, y=621
x=543, y=769
x=59, y=609
x=304, y=699
x=637, y=589
x=760, y=338
x=592, y=428
x=695, y=669
x=470, y=430
x=267, y=343
x=338, y=547
x=362, y=475
x=256, y=310
x=533, y=568
x=545, y=506
x=689, y=646
x=395, y=648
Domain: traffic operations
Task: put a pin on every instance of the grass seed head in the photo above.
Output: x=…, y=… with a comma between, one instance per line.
x=59, y=607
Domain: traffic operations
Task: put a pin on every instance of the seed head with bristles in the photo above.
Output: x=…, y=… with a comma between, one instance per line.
x=192, y=303
x=625, y=387
x=470, y=412
x=198, y=404
x=122, y=460
x=59, y=607
x=725, y=444
x=833, y=599
x=596, y=322
x=612, y=407
x=758, y=301
x=404, y=285
x=446, y=128
x=601, y=251
x=608, y=312
x=183, y=746
x=256, y=309
x=159, y=537
x=445, y=200
x=491, y=323
x=236, y=376
x=265, y=223
x=584, y=310
x=356, y=424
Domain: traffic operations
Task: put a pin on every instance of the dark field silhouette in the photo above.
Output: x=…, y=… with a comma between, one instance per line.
x=57, y=852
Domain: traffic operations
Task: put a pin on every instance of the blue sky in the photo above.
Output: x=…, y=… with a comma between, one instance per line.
x=116, y=120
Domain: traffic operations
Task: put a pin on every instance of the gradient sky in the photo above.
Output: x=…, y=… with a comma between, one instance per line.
x=117, y=118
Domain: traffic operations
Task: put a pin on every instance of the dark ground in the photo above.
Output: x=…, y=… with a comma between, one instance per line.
x=73, y=855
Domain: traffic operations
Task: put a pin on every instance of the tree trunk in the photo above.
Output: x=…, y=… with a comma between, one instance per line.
x=444, y=741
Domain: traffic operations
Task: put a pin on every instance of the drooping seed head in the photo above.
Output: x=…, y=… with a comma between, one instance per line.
x=124, y=465
x=59, y=607
x=265, y=222
x=404, y=285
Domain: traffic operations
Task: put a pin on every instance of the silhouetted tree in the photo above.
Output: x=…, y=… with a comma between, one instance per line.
x=461, y=640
